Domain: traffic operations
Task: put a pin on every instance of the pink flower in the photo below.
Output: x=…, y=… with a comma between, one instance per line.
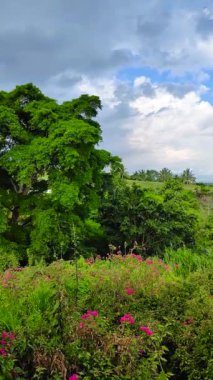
x=3, y=352
x=3, y=342
x=149, y=261
x=130, y=291
x=81, y=325
x=137, y=257
x=127, y=318
x=85, y=316
x=146, y=330
x=90, y=314
x=73, y=377
x=93, y=313
x=4, y=335
x=11, y=336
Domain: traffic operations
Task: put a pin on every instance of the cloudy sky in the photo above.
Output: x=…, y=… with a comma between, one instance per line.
x=151, y=62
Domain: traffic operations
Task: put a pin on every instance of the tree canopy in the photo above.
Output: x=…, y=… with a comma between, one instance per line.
x=50, y=170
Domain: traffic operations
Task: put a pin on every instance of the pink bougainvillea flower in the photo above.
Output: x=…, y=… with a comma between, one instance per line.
x=3, y=352
x=127, y=318
x=81, y=325
x=4, y=335
x=92, y=313
x=85, y=316
x=137, y=257
x=73, y=377
x=11, y=336
x=149, y=261
x=3, y=342
x=130, y=291
x=147, y=330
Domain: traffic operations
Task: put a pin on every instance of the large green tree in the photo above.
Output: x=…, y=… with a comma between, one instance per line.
x=50, y=171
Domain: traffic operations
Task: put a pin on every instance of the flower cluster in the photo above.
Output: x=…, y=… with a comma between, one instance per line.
x=73, y=377
x=147, y=330
x=149, y=261
x=127, y=318
x=90, y=314
x=130, y=291
x=137, y=257
x=6, y=342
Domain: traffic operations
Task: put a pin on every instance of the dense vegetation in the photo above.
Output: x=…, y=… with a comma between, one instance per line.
x=123, y=318
x=102, y=275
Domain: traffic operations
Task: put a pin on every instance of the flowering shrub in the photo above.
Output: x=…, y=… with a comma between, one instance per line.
x=7, y=361
x=6, y=343
x=102, y=328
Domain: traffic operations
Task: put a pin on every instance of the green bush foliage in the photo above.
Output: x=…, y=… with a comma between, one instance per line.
x=123, y=318
x=155, y=219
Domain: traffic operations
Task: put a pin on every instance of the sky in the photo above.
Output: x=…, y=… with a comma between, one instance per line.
x=151, y=63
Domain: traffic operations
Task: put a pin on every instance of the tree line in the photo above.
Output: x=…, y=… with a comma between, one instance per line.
x=165, y=174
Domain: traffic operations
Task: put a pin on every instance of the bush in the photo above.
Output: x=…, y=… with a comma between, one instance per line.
x=7, y=260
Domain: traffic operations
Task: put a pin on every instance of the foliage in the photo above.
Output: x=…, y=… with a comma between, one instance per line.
x=155, y=220
x=50, y=171
x=133, y=319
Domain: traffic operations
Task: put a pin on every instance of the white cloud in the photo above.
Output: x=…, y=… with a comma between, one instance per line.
x=141, y=81
x=177, y=132
x=103, y=87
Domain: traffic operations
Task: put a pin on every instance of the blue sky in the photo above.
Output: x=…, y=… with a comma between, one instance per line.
x=151, y=63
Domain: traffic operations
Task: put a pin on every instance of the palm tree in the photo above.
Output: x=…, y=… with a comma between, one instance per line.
x=188, y=176
x=165, y=175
